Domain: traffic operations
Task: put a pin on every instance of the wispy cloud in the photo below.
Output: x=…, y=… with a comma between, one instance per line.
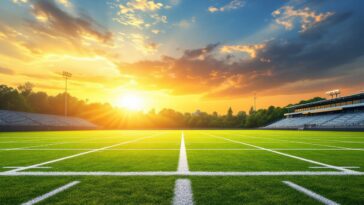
x=6, y=71
x=140, y=13
x=251, y=50
x=55, y=21
x=287, y=15
x=232, y=5
x=19, y=1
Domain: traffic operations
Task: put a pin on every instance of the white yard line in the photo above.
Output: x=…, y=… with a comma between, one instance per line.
x=77, y=155
x=328, y=168
x=85, y=149
x=190, y=173
x=310, y=193
x=298, y=142
x=183, y=192
x=197, y=149
x=182, y=162
x=22, y=167
x=284, y=154
x=50, y=194
x=43, y=145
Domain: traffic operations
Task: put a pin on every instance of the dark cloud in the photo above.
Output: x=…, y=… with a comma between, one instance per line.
x=60, y=22
x=6, y=71
x=317, y=54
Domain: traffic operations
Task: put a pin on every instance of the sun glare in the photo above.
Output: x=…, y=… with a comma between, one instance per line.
x=131, y=102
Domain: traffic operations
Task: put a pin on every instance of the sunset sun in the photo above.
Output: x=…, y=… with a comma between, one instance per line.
x=131, y=101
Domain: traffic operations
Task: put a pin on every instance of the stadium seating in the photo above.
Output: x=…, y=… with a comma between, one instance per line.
x=342, y=120
x=39, y=121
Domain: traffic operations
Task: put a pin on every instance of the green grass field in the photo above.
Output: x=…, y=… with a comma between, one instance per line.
x=143, y=167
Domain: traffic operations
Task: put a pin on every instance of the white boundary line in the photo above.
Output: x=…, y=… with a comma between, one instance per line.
x=22, y=167
x=310, y=193
x=284, y=154
x=198, y=149
x=191, y=173
x=298, y=142
x=42, y=145
x=182, y=162
x=50, y=194
x=183, y=192
x=348, y=167
x=79, y=154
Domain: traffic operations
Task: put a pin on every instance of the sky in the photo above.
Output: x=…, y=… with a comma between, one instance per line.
x=184, y=54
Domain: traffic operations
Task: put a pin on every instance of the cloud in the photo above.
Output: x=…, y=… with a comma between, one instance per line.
x=65, y=3
x=139, y=5
x=142, y=43
x=19, y=1
x=140, y=13
x=55, y=21
x=251, y=50
x=277, y=66
x=156, y=31
x=51, y=30
x=186, y=23
x=6, y=71
x=232, y=5
x=287, y=15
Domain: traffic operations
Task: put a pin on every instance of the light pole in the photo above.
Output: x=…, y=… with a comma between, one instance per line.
x=255, y=101
x=66, y=75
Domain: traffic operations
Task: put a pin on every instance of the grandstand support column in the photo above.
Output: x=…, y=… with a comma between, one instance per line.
x=66, y=75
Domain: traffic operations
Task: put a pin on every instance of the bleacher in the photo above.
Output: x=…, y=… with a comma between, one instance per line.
x=341, y=113
x=349, y=120
x=11, y=120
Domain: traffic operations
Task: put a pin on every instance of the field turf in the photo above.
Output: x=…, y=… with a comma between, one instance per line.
x=144, y=167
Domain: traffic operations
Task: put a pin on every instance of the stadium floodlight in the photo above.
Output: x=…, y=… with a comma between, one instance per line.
x=66, y=75
x=333, y=93
x=255, y=101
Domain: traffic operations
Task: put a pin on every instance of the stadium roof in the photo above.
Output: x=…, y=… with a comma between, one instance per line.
x=334, y=100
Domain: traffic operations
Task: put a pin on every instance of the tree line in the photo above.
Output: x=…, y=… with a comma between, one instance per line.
x=24, y=99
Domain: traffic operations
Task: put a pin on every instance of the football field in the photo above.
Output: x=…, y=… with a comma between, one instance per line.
x=182, y=167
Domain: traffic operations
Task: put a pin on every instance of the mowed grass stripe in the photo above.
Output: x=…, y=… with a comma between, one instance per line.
x=50, y=194
x=284, y=154
x=310, y=193
x=298, y=142
x=81, y=154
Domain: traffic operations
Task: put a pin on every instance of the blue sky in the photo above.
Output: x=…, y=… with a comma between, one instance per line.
x=216, y=51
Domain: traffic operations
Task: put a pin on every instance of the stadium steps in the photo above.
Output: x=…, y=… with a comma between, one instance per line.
x=22, y=119
x=343, y=120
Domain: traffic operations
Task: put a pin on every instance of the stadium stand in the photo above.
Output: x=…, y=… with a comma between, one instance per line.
x=10, y=120
x=337, y=113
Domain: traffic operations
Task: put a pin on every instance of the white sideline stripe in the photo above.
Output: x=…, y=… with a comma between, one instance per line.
x=191, y=173
x=50, y=194
x=43, y=145
x=201, y=149
x=298, y=142
x=328, y=168
x=182, y=162
x=310, y=193
x=77, y=155
x=22, y=167
x=287, y=155
x=183, y=192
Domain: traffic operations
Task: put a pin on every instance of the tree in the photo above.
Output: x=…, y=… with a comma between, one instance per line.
x=229, y=113
x=107, y=116
x=26, y=88
x=10, y=99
